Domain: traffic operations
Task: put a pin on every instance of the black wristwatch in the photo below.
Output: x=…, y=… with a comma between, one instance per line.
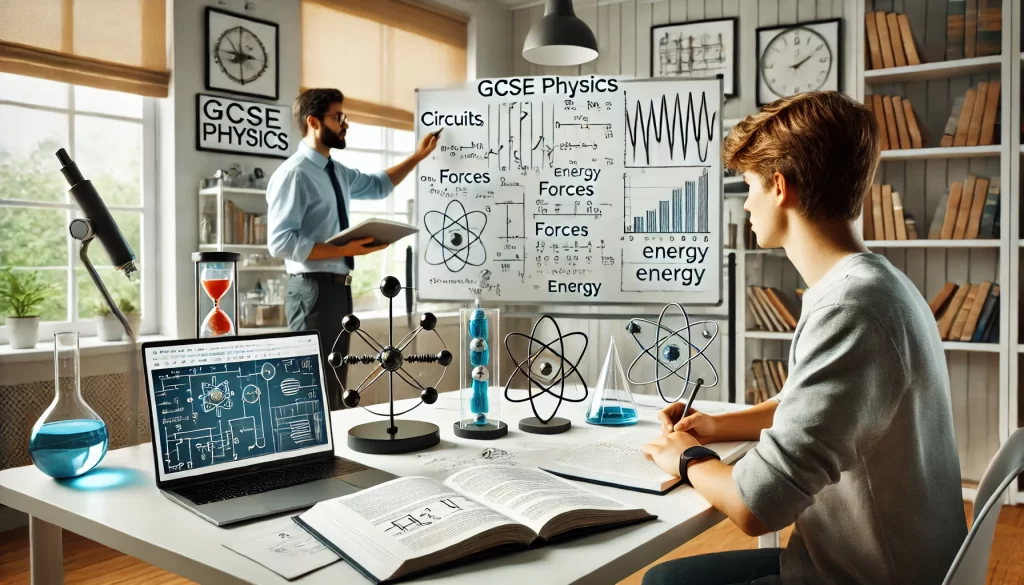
x=695, y=453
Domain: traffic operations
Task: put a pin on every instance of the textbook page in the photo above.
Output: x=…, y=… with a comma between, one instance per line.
x=529, y=496
x=286, y=549
x=383, y=526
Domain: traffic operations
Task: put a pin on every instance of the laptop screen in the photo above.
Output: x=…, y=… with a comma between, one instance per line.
x=219, y=405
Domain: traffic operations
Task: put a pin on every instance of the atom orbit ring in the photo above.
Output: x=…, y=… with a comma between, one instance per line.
x=564, y=371
x=389, y=359
x=664, y=351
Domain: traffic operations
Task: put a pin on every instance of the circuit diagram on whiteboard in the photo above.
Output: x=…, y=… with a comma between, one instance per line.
x=216, y=413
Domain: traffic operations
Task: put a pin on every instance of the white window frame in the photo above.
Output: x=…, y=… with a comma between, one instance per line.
x=146, y=257
x=389, y=156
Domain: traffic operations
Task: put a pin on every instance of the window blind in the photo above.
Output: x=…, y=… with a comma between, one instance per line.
x=108, y=44
x=378, y=52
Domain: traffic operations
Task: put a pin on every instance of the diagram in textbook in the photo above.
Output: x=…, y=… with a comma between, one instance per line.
x=424, y=516
x=213, y=414
x=662, y=132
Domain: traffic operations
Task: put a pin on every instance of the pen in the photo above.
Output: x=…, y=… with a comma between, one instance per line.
x=689, y=401
x=438, y=133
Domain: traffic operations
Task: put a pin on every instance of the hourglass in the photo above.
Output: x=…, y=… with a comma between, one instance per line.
x=216, y=275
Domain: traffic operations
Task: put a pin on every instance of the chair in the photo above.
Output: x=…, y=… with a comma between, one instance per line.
x=970, y=566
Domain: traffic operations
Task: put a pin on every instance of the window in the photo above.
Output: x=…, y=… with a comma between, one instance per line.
x=372, y=149
x=110, y=136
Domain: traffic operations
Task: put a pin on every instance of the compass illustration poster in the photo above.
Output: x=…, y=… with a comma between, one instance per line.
x=241, y=54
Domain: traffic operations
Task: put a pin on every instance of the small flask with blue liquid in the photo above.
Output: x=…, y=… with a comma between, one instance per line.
x=69, y=439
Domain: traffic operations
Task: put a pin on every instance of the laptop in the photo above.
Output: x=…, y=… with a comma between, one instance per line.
x=241, y=426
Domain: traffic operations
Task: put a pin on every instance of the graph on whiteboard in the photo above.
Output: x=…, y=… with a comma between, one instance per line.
x=581, y=189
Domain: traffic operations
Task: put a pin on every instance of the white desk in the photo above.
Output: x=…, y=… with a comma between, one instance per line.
x=134, y=518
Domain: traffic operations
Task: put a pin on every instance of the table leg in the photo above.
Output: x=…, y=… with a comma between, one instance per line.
x=770, y=540
x=46, y=552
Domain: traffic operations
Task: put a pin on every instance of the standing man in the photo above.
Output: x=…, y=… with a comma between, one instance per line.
x=307, y=199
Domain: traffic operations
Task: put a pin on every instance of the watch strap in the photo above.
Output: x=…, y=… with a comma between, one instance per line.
x=694, y=453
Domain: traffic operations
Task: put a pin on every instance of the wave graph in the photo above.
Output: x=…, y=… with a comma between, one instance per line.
x=664, y=136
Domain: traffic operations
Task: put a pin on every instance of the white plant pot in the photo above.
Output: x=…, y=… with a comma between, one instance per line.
x=134, y=319
x=23, y=332
x=108, y=328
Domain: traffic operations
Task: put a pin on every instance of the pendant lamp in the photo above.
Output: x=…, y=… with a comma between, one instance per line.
x=560, y=38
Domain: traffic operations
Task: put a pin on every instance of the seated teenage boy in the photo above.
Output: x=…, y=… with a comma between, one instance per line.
x=858, y=449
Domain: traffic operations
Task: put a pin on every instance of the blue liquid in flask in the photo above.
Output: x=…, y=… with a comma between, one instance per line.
x=479, y=404
x=68, y=448
x=612, y=415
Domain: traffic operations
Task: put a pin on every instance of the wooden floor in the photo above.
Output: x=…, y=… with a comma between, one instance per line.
x=88, y=563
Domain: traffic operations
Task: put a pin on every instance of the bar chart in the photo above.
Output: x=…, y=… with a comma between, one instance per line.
x=662, y=209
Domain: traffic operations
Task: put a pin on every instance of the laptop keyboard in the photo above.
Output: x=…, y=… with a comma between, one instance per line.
x=265, y=481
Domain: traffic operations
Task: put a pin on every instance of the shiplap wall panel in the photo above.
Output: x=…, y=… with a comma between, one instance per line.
x=628, y=32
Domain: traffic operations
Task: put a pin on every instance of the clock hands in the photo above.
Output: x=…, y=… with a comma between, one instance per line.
x=802, y=61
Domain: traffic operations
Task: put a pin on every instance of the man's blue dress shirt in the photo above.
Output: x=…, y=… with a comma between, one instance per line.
x=302, y=210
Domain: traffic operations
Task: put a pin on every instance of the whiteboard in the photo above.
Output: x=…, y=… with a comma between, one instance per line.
x=593, y=190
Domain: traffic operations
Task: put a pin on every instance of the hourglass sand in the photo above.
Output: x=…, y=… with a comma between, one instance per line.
x=216, y=281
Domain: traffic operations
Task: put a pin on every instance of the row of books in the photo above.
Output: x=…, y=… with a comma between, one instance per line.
x=974, y=28
x=242, y=227
x=890, y=40
x=897, y=124
x=771, y=310
x=968, y=210
x=968, y=312
x=769, y=378
x=972, y=121
x=884, y=218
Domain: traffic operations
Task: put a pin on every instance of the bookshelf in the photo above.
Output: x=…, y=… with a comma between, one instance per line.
x=984, y=377
x=261, y=280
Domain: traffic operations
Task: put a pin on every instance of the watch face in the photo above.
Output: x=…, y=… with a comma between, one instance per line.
x=795, y=61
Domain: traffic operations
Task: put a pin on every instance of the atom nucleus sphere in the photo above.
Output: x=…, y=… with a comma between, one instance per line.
x=390, y=358
x=671, y=349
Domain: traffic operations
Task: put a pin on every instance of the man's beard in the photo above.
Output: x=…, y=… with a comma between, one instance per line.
x=331, y=139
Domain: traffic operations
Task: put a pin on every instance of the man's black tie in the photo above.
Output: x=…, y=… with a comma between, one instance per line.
x=342, y=212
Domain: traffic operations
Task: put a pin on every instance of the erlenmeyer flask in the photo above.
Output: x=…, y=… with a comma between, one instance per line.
x=613, y=402
x=216, y=279
x=69, y=439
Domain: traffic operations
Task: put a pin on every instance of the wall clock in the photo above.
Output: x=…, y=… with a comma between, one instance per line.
x=797, y=58
x=241, y=54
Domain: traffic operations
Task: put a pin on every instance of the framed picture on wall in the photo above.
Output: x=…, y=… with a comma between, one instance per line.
x=797, y=58
x=241, y=54
x=703, y=48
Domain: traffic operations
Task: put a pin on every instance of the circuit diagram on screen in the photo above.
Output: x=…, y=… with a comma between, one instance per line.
x=212, y=414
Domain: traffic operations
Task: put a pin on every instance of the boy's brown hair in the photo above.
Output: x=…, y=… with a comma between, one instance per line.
x=823, y=143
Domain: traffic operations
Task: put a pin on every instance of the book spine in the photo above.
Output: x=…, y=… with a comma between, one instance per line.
x=991, y=211
x=874, y=49
x=935, y=229
x=986, y=314
x=902, y=129
x=909, y=44
x=883, y=128
x=971, y=28
x=991, y=114
x=964, y=212
x=977, y=208
x=976, y=307
x=977, y=113
x=897, y=39
x=955, y=12
x=964, y=122
x=884, y=43
x=916, y=139
x=887, y=213
x=952, y=208
x=898, y=220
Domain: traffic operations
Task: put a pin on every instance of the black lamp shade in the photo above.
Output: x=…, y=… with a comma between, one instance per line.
x=560, y=38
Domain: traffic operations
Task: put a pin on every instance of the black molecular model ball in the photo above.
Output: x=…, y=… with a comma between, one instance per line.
x=546, y=368
x=335, y=359
x=444, y=357
x=350, y=398
x=350, y=323
x=390, y=287
x=429, y=395
x=428, y=321
x=633, y=328
x=391, y=359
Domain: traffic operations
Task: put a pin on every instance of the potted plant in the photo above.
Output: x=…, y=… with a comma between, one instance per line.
x=21, y=294
x=131, y=312
x=108, y=328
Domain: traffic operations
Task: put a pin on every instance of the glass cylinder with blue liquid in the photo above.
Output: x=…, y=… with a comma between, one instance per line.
x=479, y=367
x=69, y=439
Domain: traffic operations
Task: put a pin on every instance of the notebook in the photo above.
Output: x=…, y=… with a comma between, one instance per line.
x=618, y=462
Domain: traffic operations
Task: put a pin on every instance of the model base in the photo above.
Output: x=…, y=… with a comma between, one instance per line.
x=374, y=438
x=553, y=427
x=467, y=429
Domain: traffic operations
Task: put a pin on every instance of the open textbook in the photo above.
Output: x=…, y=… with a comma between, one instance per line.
x=617, y=461
x=412, y=525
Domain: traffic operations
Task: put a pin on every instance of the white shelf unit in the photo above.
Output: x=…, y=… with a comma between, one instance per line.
x=926, y=243
x=983, y=376
x=252, y=201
